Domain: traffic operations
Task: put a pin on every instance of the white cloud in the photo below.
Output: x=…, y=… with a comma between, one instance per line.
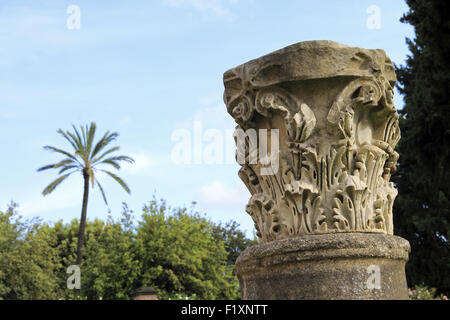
x=225, y=202
x=32, y=32
x=10, y=114
x=67, y=195
x=213, y=114
x=125, y=121
x=144, y=163
x=217, y=7
x=212, y=120
x=220, y=196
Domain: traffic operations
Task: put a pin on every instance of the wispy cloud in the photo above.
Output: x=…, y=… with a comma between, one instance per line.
x=217, y=194
x=67, y=195
x=144, y=164
x=212, y=112
x=216, y=7
x=125, y=121
x=10, y=114
x=226, y=201
x=32, y=31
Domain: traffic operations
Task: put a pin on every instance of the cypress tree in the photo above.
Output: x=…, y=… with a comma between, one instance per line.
x=422, y=208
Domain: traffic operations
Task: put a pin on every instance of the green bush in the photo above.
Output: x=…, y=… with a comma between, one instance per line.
x=423, y=292
x=180, y=253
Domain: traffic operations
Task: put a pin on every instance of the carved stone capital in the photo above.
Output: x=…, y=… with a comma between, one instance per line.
x=337, y=127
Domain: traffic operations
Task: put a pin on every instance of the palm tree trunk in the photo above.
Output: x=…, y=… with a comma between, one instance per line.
x=83, y=218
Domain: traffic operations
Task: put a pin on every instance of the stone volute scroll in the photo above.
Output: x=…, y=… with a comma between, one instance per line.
x=329, y=197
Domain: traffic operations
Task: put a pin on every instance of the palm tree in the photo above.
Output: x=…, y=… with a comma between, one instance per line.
x=86, y=158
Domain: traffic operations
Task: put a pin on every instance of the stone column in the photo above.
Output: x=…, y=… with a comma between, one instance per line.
x=316, y=132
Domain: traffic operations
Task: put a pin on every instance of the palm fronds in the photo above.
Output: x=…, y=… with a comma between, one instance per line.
x=86, y=156
x=54, y=184
x=119, y=180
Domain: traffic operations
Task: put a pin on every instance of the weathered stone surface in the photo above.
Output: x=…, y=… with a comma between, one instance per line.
x=330, y=266
x=337, y=125
x=321, y=196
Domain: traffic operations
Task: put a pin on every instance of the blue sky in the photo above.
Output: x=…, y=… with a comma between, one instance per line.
x=146, y=69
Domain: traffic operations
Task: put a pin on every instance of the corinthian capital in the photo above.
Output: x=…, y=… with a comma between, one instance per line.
x=332, y=106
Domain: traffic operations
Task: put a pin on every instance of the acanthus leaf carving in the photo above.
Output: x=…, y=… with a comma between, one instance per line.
x=336, y=158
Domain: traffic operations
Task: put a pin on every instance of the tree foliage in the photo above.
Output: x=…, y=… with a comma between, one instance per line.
x=422, y=208
x=27, y=259
x=180, y=254
x=235, y=240
x=175, y=250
